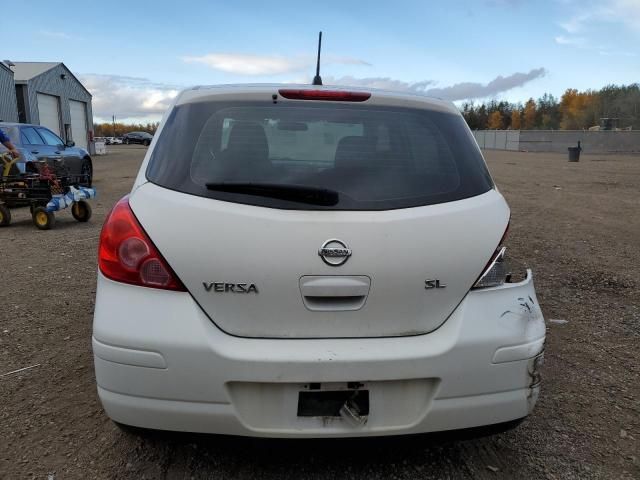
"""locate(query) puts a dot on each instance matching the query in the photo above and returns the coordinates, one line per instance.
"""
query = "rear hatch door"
(215, 247)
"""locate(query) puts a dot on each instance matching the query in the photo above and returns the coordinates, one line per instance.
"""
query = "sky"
(134, 57)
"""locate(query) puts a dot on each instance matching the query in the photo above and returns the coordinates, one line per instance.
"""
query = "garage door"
(49, 112)
(79, 122)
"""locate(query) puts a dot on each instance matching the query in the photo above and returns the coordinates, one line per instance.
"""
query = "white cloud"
(127, 97)
(53, 34)
(576, 23)
(625, 12)
(244, 64)
(585, 27)
(617, 53)
(584, 44)
(328, 59)
(384, 83)
(249, 64)
(573, 41)
(458, 91)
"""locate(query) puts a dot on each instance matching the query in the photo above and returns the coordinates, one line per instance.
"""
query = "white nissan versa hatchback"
(306, 261)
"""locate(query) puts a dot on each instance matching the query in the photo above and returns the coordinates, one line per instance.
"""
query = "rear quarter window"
(376, 158)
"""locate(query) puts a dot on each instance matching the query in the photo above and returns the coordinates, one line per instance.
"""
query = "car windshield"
(374, 158)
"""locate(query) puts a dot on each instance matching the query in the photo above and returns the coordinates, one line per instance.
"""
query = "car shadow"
(301, 458)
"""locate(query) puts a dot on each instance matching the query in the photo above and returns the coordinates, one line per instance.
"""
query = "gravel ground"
(576, 224)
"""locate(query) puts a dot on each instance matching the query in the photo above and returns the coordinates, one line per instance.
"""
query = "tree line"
(108, 129)
(575, 110)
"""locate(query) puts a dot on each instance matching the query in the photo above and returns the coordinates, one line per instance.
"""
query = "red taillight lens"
(328, 95)
(126, 253)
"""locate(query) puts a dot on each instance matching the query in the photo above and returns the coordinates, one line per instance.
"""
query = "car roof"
(261, 90)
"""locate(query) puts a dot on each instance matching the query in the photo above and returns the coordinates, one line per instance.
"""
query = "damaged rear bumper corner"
(520, 319)
(519, 352)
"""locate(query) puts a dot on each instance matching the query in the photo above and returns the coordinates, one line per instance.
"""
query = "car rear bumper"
(161, 363)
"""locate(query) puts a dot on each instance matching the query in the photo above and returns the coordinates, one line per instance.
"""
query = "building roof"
(6, 67)
(25, 71)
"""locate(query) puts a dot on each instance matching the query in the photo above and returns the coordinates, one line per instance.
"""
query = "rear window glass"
(375, 158)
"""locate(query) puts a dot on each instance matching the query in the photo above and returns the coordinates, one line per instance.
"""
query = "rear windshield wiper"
(294, 193)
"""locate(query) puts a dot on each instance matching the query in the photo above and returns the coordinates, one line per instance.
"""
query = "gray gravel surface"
(576, 224)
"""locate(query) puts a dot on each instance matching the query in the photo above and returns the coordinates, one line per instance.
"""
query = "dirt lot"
(577, 225)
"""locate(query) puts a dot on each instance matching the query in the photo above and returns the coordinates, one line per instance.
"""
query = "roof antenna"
(317, 80)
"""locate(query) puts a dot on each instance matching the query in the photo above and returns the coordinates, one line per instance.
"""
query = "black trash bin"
(574, 153)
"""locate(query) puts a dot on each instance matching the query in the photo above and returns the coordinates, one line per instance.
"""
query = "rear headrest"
(248, 143)
(354, 152)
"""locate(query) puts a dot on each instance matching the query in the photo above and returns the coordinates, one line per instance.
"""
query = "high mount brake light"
(327, 95)
(127, 254)
(496, 272)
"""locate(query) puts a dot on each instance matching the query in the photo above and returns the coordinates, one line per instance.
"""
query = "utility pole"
(113, 119)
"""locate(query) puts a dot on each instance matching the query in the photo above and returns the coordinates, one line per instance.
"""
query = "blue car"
(37, 143)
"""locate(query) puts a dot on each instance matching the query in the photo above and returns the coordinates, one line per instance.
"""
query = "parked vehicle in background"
(142, 138)
(35, 143)
(304, 261)
(116, 140)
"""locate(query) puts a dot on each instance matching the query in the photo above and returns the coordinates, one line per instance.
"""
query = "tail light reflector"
(127, 254)
(496, 272)
(327, 95)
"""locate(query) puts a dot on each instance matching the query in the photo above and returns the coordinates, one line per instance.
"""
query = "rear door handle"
(335, 286)
(35, 152)
(334, 293)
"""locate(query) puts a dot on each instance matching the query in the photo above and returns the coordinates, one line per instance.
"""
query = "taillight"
(327, 95)
(127, 254)
(496, 272)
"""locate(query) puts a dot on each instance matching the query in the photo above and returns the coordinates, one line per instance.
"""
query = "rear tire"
(146, 143)
(5, 216)
(42, 219)
(81, 211)
(126, 141)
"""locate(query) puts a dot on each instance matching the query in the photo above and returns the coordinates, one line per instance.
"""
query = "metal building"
(8, 105)
(48, 94)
